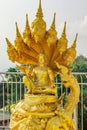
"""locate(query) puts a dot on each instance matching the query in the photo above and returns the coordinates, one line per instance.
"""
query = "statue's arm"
(51, 77)
(32, 73)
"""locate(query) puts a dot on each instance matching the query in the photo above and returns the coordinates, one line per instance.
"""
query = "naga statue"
(43, 55)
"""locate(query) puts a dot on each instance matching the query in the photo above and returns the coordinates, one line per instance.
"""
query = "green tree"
(80, 59)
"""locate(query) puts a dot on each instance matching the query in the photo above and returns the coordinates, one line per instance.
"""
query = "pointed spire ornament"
(8, 43)
(17, 31)
(53, 23)
(39, 13)
(74, 42)
(27, 30)
(63, 42)
(27, 23)
(11, 51)
(18, 42)
(52, 33)
(52, 27)
(64, 31)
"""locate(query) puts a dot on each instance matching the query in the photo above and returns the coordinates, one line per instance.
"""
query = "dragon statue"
(42, 55)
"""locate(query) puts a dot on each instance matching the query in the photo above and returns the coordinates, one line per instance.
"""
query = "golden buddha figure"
(41, 109)
(43, 74)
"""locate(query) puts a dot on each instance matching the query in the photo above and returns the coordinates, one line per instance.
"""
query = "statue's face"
(41, 59)
(51, 39)
(38, 30)
(62, 49)
(38, 33)
(68, 59)
(62, 45)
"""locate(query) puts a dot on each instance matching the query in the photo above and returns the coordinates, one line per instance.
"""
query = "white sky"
(74, 12)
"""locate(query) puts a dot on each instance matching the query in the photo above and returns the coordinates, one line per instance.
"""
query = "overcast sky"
(74, 12)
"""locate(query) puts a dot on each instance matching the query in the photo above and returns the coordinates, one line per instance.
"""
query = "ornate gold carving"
(44, 55)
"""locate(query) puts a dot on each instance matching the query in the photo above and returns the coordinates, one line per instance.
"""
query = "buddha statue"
(43, 55)
(42, 73)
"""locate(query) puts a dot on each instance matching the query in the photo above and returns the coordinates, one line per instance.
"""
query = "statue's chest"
(42, 72)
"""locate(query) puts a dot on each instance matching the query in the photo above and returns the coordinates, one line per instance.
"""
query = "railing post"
(76, 117)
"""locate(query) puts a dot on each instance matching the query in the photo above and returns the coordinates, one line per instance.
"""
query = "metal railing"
(12, 90)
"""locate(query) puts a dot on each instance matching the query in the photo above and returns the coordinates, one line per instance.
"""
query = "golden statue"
(44, 56)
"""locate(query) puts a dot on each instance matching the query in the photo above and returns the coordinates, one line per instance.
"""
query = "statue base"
(39, 112)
